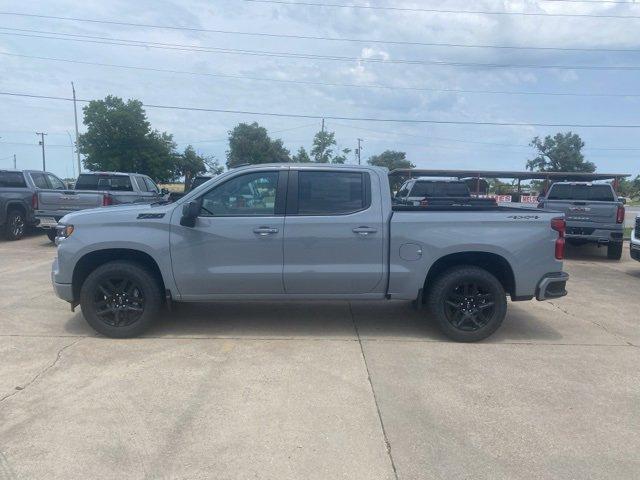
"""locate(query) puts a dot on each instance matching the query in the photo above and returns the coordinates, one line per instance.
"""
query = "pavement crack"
(387, 443)
(41, 372)
(566, 312)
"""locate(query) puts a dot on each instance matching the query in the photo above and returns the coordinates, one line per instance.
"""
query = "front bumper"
(62, 290)
(634, 247)
(552, 285)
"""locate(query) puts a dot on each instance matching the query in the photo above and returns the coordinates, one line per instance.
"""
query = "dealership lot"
(316, 390)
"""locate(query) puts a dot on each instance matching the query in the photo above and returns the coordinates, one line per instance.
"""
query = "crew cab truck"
(593, 212)
(283, 232)
(18, 199)
(634, 244)
(94, 189)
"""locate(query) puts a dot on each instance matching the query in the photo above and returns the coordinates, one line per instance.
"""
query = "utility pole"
(73, 168)
(359, 150)
(323, 125)
(41, 142)
(14, 162)
(75, 114)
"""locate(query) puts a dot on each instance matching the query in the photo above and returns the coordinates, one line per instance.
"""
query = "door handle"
(265, 231)
(364, 231)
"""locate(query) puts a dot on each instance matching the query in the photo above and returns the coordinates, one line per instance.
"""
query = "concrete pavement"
(316, 390)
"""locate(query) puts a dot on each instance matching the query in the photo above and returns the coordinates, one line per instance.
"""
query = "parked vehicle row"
(307, 232)
(94, 189)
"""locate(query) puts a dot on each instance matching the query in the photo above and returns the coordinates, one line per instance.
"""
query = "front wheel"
(468, 302)
(120, 299)
(614, 251)
(51, 234)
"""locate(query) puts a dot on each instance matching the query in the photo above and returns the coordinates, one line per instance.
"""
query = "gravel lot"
(321, 391)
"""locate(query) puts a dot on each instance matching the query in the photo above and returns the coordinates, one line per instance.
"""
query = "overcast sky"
(416, 93)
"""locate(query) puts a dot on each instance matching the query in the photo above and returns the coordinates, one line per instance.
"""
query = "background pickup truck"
(635, 240)
(18, 199)
(593, 212)
(306, 232)
(95, 189)
(424, 192)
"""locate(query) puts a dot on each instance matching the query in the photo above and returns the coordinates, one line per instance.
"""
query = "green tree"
(189, 164)
(250, 143)
(119, 138)
(630, 188)
(391, 159)
(560, 153)
(302, 156)
(322, 150)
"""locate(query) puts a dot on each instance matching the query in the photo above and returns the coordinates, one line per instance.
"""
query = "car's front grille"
(580, 231)
(638, 228)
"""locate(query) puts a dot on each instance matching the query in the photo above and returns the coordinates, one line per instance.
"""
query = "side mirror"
(622, 200)
(540, 198)
(164, 191)
(190, 212)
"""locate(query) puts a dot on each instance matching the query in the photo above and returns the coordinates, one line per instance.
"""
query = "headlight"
(64, 231)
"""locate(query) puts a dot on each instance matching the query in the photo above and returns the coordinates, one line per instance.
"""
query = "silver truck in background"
(19, 199)
(91, 190)
(635, 240)
(593, 212)
(307, 231)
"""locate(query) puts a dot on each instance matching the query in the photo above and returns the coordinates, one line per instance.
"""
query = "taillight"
(107, 200)
(620, 214)
(559, 225)
(34, 201)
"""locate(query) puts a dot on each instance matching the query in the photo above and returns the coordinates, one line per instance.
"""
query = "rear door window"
(12, 180)
(55, 182)
(116, 183)
(331, 193)
(595, 193)
(151, 186)
(39, 180)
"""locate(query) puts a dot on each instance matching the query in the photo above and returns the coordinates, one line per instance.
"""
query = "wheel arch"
(16, 205)
(92, 260)
(494, 263)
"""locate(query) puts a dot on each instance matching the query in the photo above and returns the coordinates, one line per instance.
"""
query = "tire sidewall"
(447, 281)
(143, 279)
(9, 228)
(614, 251)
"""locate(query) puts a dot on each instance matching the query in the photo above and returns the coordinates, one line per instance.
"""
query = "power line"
(437, 10)
(326, 84)
(309, 56)
(309, 37)
(354, 119)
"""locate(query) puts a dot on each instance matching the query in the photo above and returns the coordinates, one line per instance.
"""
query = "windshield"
(119, 183)
(596, 193)
(440, 189)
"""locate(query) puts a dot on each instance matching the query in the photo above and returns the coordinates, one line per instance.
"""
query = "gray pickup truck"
(593, 212)
(94, 189)
(19, 199)
(306, 231)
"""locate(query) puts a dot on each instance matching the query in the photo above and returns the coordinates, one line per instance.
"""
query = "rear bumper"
(594, 233)
(552, 285)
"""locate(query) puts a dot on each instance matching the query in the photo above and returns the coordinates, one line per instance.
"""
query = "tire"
(462, 311)
(51, 234)
(120, 299)
(614, 251)
(15, 226)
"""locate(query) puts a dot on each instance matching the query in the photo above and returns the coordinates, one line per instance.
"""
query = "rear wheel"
(468, 302)
(120, 299)
(15, 226)
(614, 251)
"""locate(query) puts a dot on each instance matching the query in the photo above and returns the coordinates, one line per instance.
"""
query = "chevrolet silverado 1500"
(306, 232)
